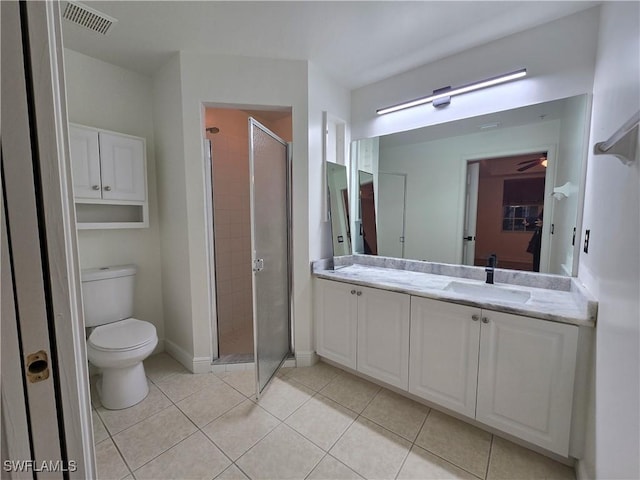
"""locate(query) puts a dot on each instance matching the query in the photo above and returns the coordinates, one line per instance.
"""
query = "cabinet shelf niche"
(91, 215)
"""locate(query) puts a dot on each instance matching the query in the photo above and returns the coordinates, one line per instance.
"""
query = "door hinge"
(258, 265)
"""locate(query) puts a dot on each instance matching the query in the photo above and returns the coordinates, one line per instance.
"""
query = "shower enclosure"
(248, 202)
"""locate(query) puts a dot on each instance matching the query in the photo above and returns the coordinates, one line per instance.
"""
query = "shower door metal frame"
(289, 175)
(211, 249)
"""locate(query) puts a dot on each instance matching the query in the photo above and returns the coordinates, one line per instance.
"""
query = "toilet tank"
(107, 294)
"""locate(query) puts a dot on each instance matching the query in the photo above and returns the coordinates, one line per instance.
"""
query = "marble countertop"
(566, 306)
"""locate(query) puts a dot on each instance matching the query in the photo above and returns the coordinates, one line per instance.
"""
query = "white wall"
(569, 168)
(181, 88)
(611, 269)
(324, 95)
(559, 57)
(106, 96)
(436, 183)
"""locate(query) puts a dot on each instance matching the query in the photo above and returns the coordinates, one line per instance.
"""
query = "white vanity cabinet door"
(336, 316)
(123, 167)
(383, 335)
(85, 162)
(443, 366)
(525, 378)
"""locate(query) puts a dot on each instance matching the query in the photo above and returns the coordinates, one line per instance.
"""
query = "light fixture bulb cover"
(489, 82)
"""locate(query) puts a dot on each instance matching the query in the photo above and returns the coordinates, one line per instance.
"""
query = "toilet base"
(120, 388)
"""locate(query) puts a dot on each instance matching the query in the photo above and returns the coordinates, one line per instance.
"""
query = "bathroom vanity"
(509, 356)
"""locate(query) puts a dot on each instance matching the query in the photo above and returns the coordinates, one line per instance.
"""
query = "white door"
(391, 214)
(85, 162)
(471, 214)
(42, 281)
(444, 353)
(123, 167)
(525, 378)
(14, 414)
(336, 317)
(383, 335)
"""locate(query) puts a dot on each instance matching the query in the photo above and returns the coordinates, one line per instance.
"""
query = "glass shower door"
(270, 242)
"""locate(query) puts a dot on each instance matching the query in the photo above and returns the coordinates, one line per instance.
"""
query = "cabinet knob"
(359, 293)
(475, 317)
(96, 187)
(353, 292)
(485, 320)
(107, 188)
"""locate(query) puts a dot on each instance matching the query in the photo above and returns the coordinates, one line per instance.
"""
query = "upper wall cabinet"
(109, 178)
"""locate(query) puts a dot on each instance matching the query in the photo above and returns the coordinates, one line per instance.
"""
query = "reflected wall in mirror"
(367, 211)
(339, 208)
(458, 192)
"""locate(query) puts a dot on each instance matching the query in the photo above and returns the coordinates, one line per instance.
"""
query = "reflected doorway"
(505, 198)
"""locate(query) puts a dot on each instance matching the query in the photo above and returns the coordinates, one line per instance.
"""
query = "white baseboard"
(201, 365)
(193, 364)
(582, 472)
(306, 359)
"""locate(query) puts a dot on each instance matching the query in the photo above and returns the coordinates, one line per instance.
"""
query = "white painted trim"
(53, 139)
(582, 472)
(23, 147)
(179, 354)
(201, 365)
(306, 359)
(210, 242)
(15, 432)
(193, 364)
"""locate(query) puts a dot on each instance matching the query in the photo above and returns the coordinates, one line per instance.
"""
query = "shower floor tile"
(360, 431)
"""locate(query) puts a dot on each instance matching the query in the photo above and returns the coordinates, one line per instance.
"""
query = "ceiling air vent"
(88, 17)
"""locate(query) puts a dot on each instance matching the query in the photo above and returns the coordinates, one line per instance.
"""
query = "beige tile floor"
(312, 423)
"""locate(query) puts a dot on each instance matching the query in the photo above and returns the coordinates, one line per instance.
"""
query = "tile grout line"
(439, 456)
(316, 393)
(486, 474)
(198, 429)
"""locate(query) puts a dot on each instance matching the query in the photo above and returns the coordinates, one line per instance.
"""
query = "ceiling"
(357, 43)
(509, 166)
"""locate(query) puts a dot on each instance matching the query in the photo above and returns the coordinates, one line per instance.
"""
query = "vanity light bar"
(489, 82)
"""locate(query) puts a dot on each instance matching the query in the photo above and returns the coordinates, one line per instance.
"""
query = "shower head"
(212, 130)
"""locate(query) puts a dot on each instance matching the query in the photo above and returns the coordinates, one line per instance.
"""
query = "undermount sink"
(489, 292)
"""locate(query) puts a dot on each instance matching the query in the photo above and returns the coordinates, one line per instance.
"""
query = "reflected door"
(471, 215)
(270, 242)
(391, 206)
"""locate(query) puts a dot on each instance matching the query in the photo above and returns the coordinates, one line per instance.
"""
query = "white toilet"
(117, 343)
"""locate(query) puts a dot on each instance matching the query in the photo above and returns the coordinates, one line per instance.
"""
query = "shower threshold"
(234, 358)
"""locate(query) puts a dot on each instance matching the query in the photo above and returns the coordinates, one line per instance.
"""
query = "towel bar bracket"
(623, 144)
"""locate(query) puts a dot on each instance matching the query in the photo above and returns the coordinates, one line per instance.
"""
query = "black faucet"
(492, 261)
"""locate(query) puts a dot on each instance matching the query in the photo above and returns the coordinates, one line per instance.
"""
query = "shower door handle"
(258, 265)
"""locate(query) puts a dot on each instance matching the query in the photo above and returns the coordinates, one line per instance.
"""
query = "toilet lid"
(122, 335)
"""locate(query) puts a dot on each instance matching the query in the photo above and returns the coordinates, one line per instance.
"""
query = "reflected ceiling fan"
(527, 164)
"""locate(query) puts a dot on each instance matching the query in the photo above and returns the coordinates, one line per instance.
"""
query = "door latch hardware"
(258, 265)
(37, 366)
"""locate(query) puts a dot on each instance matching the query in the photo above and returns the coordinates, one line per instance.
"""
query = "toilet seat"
(122, 336)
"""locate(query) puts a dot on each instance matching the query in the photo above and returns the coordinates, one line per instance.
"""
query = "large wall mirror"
(509, 183)
(339, 208)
